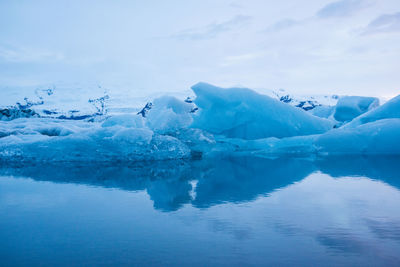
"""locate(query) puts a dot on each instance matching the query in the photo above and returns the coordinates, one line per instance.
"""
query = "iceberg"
(60, 140)
(373, 132)
(349, 107)
(243, 113)
(216, 123)
(390, 109)
(375, 138)
(169, 114)
(378, 137)
(323, 111)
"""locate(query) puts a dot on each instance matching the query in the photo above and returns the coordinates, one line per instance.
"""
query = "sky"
(306, 47)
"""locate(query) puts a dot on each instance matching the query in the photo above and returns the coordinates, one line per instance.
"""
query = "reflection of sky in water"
(235, 211)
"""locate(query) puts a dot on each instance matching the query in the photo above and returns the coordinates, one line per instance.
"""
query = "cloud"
(282, 25)
(212, 30)
(336, 9)
(341, 8)
(383, 23)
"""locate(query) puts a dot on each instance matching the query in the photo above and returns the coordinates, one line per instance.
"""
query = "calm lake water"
(234, 212)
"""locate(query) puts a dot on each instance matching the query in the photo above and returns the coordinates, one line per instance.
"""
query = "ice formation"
(390, 109)
(55, 140)
(378, 137)
(243, 113)
(169, 114)
(323, 111)
(375, 132)
(234, 121)
(349, 107)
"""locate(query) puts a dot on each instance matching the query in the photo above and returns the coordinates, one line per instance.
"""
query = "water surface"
(240, 211)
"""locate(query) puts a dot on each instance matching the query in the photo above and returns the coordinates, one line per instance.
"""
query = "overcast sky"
(313, 46)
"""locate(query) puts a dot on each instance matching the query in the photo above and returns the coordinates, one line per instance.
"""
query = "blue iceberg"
(243, 113)
(218, 122)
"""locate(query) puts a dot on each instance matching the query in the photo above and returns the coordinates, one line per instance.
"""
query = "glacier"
(216, 123)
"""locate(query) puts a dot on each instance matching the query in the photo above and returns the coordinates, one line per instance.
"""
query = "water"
(237, 211)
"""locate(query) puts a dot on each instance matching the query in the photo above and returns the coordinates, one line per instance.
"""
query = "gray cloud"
(383, 23)
(341, 8)
(212, 30)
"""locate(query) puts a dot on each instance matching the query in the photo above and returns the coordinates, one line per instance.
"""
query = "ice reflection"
(281, 211)
(171, 184)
